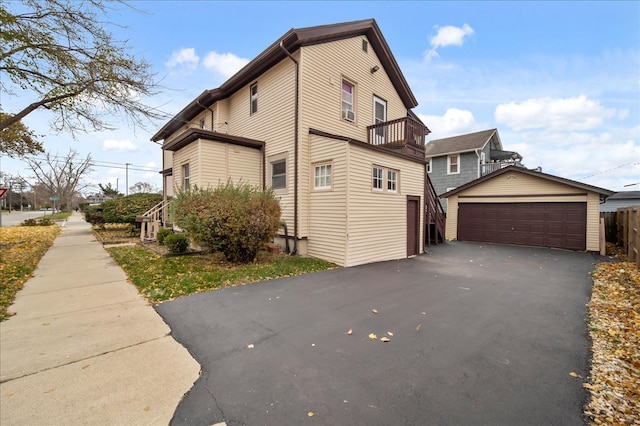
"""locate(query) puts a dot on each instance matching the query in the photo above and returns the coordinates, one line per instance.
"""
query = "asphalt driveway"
(478, 334)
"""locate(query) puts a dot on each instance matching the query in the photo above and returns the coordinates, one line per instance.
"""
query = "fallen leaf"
(49, 390)
(350, 332)
(147, 408)
(384, 339)
(250, 346)
(418, 327)
(45, 323)
(310, 414)
(390, 333)
(573, 374)
(375, 311)
(85, 366)
(372, 336)
(10, 393)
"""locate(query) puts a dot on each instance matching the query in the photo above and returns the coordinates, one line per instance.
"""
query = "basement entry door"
(558, 225)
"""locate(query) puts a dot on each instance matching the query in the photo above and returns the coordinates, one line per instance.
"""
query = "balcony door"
(379, 117)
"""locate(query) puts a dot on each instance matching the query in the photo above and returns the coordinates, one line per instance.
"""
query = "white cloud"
(124, 145)
(225, 64)
(454, 122)
(185, 57)
(577, 113)
(448, 36)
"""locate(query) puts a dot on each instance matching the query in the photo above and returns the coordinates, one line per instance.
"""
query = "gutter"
(295, 166)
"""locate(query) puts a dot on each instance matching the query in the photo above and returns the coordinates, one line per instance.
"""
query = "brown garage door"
(560, 225)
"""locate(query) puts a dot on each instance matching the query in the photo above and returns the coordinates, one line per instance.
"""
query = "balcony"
(404, 135)
(487, 168)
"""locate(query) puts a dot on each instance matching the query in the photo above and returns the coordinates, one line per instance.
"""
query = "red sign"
(3, 192)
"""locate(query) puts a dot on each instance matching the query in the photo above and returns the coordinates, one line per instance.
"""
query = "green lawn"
(165, 278)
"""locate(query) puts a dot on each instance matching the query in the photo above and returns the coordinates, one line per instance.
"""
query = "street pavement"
(84, 347)
(17, 217)
(478, 335)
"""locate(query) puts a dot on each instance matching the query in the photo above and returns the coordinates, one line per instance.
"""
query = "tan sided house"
(324, 117)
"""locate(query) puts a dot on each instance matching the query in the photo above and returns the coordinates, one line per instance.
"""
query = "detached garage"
(515, 205)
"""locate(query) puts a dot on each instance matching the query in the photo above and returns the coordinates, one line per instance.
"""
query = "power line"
(611, 169)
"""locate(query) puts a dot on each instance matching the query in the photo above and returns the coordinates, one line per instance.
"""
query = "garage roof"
(604, 193)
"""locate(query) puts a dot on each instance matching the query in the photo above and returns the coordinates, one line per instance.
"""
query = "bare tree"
(143, 187)
(61, 53)
(61, 175)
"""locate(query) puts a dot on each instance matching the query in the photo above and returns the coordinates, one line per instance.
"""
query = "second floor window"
(453, 162)
(348, 90)
(186, 177)
(253, 94)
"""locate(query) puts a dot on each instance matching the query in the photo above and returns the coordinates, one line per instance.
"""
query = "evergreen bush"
(176, 243)
(162, 234)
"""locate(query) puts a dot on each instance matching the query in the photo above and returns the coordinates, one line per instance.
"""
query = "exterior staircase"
(151, 221)
(435, 217)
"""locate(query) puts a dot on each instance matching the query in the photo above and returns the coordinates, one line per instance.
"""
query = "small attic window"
(365, 46)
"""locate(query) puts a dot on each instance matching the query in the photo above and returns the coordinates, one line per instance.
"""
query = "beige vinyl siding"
(323, 68)
(273, 123)
(510, 184)
(451, 225)
(223, 161)
(377, 227)
(328, 208)
(190, 154)
(593, 222)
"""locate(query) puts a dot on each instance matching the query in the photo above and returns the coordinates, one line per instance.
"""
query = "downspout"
(295, 161)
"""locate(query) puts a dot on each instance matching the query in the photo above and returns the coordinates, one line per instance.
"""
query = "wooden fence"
(628, 232)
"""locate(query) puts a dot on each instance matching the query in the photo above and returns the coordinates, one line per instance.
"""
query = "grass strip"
(165, 278)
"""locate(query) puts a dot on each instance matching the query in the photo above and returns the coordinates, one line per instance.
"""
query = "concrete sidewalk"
(84, 347)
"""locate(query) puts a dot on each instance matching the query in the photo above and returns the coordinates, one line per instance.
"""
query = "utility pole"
(126, 189)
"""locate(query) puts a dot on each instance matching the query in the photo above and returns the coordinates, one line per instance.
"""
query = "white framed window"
(253, 98)
(278, 172)
(201, 123)
(384, 179)
(186, 176)
(392, 181)
(377, 178)
(348, 93)
(322, 176)
(453, 164)
(429, 165)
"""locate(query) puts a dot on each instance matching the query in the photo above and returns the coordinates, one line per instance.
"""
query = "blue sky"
(559, 80)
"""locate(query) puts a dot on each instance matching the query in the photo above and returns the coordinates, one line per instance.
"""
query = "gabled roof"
(292, 41)
(523, 170)
(625, 195)
(462, 143)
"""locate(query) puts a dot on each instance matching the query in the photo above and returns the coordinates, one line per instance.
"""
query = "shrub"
(38, 222)
(176, 243)
(236, 219)
(162, 234)
(121, 210)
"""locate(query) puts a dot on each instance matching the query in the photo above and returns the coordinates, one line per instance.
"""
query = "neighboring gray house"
(455, 161)
(620, 199)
